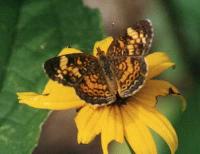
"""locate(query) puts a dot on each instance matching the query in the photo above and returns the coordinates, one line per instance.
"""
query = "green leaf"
(30, 33)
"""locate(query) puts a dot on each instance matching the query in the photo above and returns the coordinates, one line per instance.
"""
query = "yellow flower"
(131, 121)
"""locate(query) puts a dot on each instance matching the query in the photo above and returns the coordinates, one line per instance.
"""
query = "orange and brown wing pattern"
(69, 69)
(136, 41)
(94, 88)
(130, 73)
(82, 72)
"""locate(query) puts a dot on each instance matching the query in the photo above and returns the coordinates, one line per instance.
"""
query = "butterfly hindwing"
(94, 88)
(82, 72)
(136, 41)
(130, 73)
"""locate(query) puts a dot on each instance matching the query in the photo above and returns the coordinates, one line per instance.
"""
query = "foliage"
(31, 32)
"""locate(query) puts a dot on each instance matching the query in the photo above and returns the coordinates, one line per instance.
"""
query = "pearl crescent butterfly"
(112, 75)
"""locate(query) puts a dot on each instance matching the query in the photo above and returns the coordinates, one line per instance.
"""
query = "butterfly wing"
(82, 72)
(68, 69)
(136, 41)
(94, 89)
(130, 73)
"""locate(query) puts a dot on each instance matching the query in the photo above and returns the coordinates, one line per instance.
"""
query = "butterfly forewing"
(82, 72)
(136, 41)
(68, 69)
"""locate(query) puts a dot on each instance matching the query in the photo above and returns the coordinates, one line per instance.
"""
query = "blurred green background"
(32, 31)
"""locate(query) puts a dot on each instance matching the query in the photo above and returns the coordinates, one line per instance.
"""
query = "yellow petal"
(136, 133)
(69, 51)
(157, 63)
(157, 122)
(107, 120)
(89, 122)
(112, 128)
(54, 97)
(103, 45)
(154, 88)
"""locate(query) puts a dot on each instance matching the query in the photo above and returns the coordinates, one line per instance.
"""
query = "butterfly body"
(106, 66)
(102, 79)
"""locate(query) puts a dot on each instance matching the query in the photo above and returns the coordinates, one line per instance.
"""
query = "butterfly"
(115, 74)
